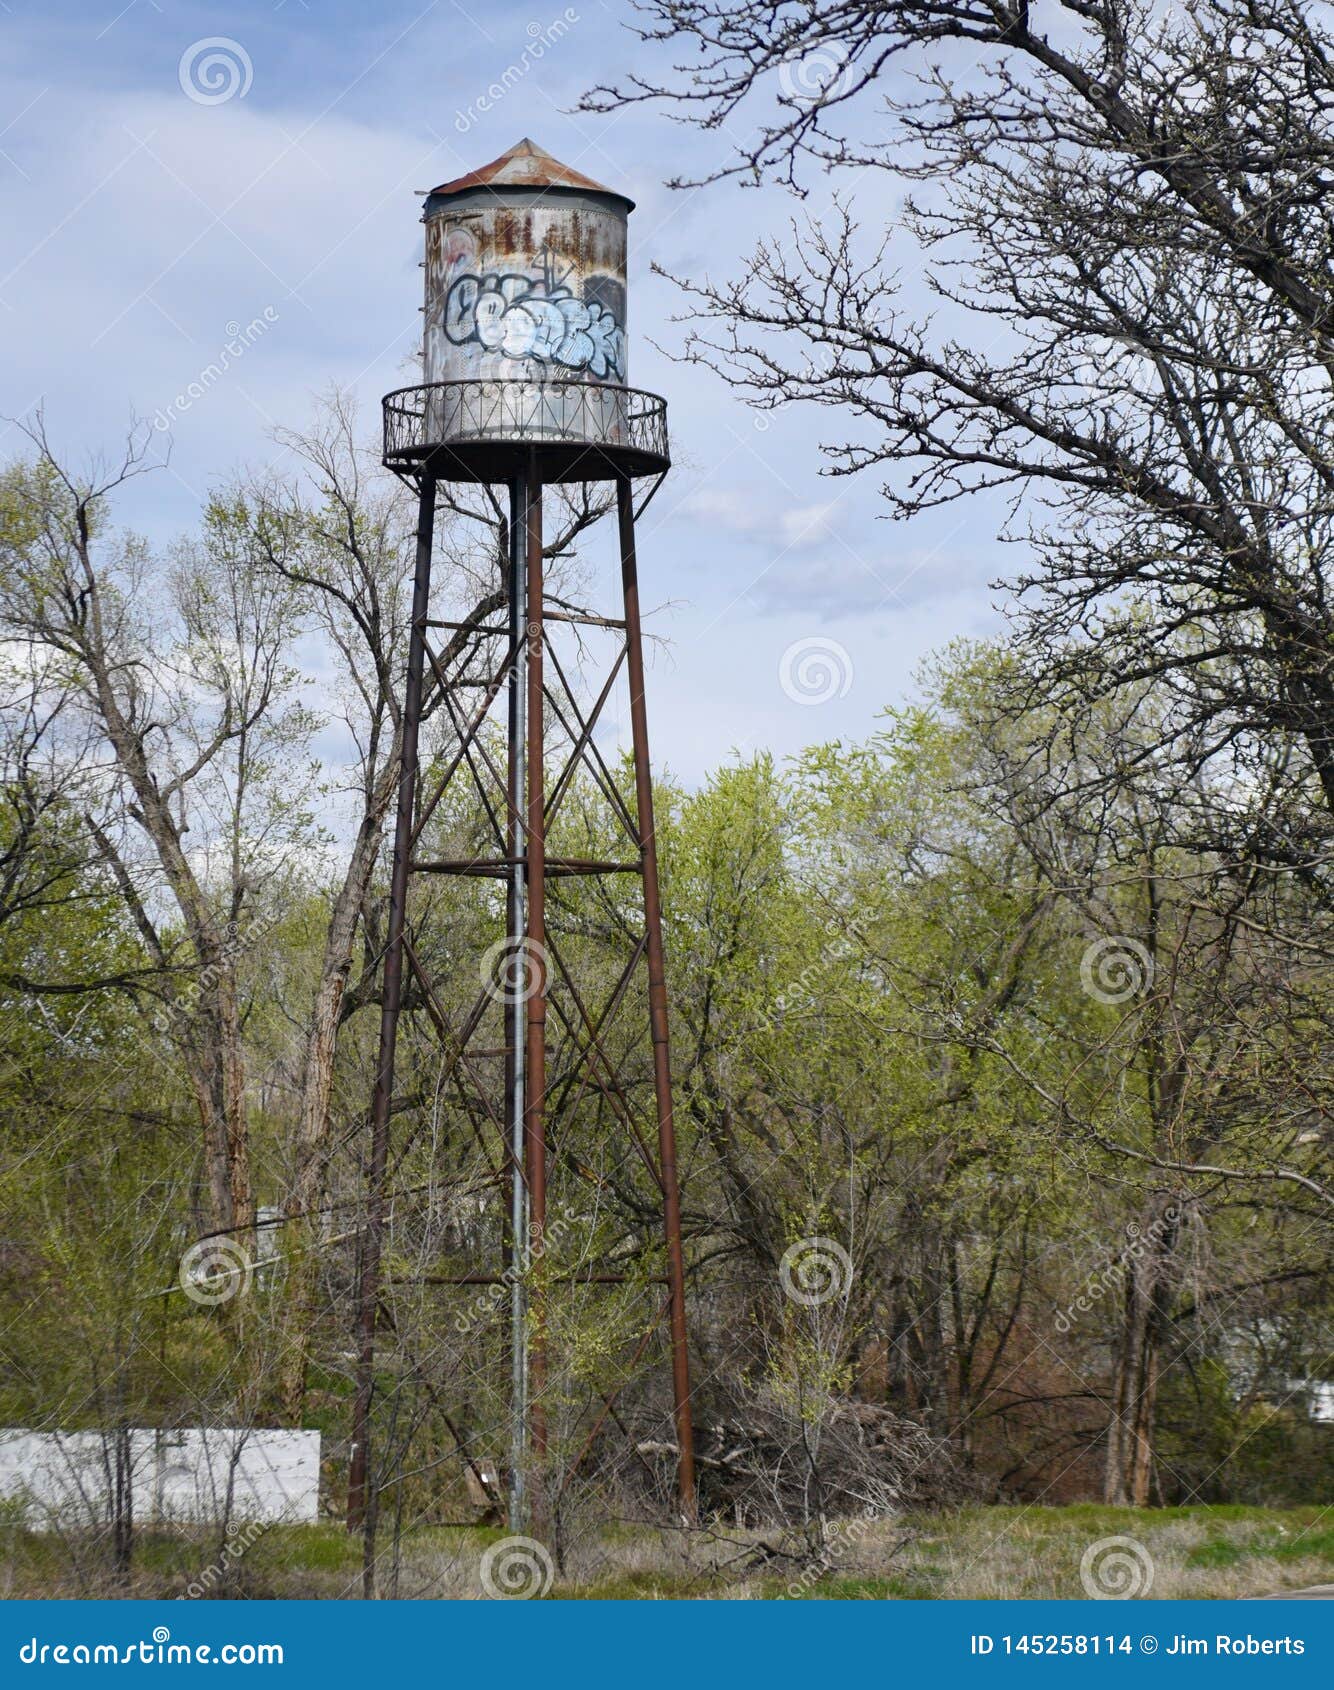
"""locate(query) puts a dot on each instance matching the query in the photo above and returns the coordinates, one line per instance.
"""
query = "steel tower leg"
(531, 966)
(535, 979)
(657, 995)
(361, 1491)
(515, 1008)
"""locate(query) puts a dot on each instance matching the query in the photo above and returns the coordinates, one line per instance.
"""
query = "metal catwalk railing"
(620, 420)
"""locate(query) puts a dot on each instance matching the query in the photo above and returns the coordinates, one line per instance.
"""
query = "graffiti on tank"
(520, 315)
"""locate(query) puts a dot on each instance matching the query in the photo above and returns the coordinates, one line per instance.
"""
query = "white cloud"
(140, 225)
(750, 512)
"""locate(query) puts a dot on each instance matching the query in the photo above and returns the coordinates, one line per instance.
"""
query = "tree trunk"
(215, 1053)
(1131, 1430)
(305, 1200)
(306, 1196)
(215, 1062)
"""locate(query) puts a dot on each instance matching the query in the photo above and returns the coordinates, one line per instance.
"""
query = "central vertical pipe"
(535, 979)
(516, 972)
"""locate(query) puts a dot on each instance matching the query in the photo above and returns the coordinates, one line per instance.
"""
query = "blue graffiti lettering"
(520, 317)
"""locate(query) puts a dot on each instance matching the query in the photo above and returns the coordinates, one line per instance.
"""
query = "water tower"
(525, 364)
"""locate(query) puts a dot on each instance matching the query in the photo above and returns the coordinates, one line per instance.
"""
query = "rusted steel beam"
(456, 1057)
(470, 742)
(506, 1279)
(535, 1055)
(459, 1043)
(657, 996)
(515, 1243)
(581, 1060)
(600, 1065)
(478, 717)
(593, 752)
(584, 741)
(499, 868)
(609, 1010)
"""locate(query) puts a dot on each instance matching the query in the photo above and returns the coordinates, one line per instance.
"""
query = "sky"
(173, 171)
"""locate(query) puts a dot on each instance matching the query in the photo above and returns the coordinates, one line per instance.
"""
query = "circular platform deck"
(485, 430)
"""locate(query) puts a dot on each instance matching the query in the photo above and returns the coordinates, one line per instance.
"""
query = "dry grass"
(986, 1553)
(970, 1553)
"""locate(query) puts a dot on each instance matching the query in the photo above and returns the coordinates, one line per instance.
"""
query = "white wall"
(68, 1478)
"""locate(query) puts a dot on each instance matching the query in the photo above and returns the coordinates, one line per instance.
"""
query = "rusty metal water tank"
(526, 295)
(525, 274)
(524, 331)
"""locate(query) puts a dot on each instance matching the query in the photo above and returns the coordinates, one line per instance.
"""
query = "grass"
(1198, 1552)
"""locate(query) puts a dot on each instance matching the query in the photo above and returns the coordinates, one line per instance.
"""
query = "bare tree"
(1175, 1086)
(179, 671)
(1124, 214)
(46, 788)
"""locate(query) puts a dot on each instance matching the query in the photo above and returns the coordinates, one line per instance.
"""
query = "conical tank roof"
(526, 165)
